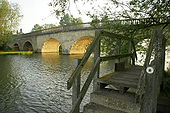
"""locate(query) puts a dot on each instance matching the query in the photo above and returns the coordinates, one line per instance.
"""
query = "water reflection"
(37, 83)
(50, 58)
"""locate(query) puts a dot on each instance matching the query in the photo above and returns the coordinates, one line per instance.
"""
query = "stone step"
(114, 100)
(96, 108)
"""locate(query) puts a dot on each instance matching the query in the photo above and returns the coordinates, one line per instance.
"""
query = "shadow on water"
(37, 83)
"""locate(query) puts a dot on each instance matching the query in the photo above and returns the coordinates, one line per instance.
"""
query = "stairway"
(119, 92)
(116, 93)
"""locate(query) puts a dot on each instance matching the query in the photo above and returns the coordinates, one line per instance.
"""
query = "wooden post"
(96, 86)
(76, 86)
(129, 51)
(163, 61)
(117, 49)
(152, 84)
(160, 51)
(118, 46)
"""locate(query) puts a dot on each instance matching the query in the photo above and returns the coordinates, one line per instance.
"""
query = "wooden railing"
(143, 21)
(75, 78)
(149, 82)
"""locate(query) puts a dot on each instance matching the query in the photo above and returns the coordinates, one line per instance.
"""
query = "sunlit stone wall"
(56, 41)
(80, 46)
(51, 45)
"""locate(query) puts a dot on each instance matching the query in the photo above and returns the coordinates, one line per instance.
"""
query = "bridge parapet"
(74, 27)
(98, 25)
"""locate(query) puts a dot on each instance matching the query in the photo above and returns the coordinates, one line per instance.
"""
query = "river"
(37, 83)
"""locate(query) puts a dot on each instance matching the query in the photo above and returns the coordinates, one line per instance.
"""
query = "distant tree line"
(64, 21)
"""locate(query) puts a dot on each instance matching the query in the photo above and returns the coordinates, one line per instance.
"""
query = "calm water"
(37, 83)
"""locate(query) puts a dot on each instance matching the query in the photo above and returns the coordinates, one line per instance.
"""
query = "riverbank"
(16, 52)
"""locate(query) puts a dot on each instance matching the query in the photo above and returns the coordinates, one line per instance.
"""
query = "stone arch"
(15, 47)
(27, 46)
(80, 46)
(51, 45)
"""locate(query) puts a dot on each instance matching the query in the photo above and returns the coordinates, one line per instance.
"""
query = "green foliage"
(9, 20)
(69, 19)
(47, 26)
(37, 27)
(132, 9)
(108, 45)
(149, 8)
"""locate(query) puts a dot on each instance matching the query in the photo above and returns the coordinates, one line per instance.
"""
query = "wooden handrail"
(134, 48)
(86, 85)
(82, 63)
(95, 67)
(150, 82)
(141, 83)
(157, 65)
(106, 58)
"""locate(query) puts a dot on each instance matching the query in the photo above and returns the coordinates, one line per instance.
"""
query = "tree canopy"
(9, 21)
(129, 8)
(69, 19)
(122, 10)
(38, 27)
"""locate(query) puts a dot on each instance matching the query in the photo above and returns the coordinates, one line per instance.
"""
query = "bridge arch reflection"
(27, 46)
(15, 47)
(51, 46)
(80, 46)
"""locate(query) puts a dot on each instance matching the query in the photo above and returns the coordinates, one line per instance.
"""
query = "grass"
(16, 52)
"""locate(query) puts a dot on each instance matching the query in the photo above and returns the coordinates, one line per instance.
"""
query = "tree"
(38, 27)
(129, 9)
(67, 20)
(132, 9)
(47, 26)
(9, 20)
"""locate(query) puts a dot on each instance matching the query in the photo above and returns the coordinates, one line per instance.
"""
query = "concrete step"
(96, 108)
(114, 100)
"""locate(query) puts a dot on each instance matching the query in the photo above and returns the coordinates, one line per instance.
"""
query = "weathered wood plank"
(86, 85)
(127, 78)
(152, 86)
(76, 86)
(149, 51)
(118, 47)
(96, 55)
(120, 83)
(134, 48)
(129, 51)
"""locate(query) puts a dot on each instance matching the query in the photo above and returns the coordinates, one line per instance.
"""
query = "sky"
(37, 12)
(34, 12)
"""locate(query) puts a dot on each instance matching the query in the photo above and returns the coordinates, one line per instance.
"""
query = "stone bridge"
(72, 39)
